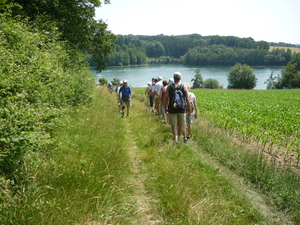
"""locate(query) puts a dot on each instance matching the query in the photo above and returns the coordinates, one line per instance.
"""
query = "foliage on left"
(41, 78)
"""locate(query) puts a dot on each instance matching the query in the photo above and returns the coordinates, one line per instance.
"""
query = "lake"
(138, 76)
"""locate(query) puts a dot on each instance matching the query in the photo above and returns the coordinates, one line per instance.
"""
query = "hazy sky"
(267, 20)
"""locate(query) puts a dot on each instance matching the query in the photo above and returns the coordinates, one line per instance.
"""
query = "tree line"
(195, 50)
(241, 76)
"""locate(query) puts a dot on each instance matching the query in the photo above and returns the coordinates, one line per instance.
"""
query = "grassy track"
(109, 170)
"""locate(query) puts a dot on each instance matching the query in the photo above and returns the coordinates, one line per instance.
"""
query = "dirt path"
(145, 213)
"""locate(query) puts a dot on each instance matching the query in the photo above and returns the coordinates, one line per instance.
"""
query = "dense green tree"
(155, 50)
(290, 77)
(211, 84)
(197, 80)
(241, 77)
(74, 20)
(40, 79)
(199, 50)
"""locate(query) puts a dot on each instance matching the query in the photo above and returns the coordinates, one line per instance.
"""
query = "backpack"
(178, 100)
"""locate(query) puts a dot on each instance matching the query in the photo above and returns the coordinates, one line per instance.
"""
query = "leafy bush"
(103, 81)
(241, 76)
(115, 82)
(290, 77)
(212, 84)
(40, 78)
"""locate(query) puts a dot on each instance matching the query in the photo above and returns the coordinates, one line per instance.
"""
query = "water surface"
(138, 76)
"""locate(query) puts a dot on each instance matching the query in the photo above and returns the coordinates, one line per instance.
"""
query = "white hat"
(171, 80)
(159, 78)
(124, 81)
(121, 82)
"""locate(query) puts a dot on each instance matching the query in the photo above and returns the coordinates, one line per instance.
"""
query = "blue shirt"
(126, 91)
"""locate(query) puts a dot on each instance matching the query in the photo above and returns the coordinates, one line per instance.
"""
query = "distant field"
(294, 49)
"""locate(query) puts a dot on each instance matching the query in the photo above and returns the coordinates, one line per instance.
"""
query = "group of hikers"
(169, 99)
(172, 102)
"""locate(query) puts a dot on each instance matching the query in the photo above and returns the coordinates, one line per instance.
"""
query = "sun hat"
(171, 80)
(159, 78)
(177, 75)
(121, 82)
(124, 81)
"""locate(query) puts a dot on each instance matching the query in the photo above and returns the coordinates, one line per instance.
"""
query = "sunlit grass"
(84, 178)
(88, 178)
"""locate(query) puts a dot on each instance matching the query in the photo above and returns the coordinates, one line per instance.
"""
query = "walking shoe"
(188, 137)
(176, 140)
(185, 140)
(122, 114)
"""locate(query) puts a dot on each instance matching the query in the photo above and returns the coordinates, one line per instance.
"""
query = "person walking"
(110, 87)
(118, 96)
(176, 107)
(156, 94)
(154, 81)
(125, 97)
(148, 95)
(162, 99)
(194, 112)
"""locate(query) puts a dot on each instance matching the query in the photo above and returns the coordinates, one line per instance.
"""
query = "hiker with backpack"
(177, 104)
(194, 111)
(125, 97)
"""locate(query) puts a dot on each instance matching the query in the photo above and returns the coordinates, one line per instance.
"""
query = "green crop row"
(270, 117)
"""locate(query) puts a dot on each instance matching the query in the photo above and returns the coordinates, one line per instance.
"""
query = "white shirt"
(158, 87)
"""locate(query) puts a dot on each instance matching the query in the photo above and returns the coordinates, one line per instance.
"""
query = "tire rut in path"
(143, 201)
(256, 199)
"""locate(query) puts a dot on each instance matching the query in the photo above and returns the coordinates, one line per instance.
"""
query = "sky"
(263, 20)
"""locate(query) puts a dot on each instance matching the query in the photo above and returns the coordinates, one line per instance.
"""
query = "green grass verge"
(84, 178)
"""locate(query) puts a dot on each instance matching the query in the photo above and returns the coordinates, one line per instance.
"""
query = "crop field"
(269, 117)
(293, 49)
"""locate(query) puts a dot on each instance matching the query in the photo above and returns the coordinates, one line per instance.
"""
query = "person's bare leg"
(181, 131)
(174, 132)
(189, 129)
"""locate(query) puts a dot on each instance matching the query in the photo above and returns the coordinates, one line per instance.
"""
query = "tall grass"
(83, 179)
